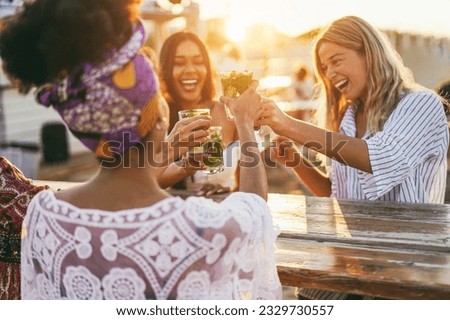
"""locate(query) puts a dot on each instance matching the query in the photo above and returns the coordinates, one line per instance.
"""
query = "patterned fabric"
(15, 194)
(174, 249)
(112, 105)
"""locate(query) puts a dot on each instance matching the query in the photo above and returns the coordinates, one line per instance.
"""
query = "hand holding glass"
(189, 113)
(233, 84)
(210, 153)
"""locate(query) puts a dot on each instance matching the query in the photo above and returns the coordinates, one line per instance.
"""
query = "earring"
(160, 125)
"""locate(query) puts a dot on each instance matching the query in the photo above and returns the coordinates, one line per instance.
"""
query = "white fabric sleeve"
(261, 251)
(415, 131)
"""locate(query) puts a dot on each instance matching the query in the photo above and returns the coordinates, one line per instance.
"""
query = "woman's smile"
(344, 68)
(189, 73)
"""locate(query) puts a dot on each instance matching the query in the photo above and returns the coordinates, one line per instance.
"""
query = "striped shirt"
(408, 158)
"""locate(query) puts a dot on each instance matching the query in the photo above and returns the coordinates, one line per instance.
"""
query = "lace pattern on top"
(175, 249)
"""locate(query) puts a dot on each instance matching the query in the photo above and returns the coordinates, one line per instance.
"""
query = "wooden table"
(384, 249)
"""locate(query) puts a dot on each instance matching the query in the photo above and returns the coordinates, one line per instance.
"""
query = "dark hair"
(48, 38)
(166, 64)
(443, 90)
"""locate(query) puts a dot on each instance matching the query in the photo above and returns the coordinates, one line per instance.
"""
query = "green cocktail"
(235, 83)
(210, 153)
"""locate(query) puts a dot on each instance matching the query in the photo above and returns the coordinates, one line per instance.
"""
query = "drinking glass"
(233, 84)
(210, 153)
(189, 113)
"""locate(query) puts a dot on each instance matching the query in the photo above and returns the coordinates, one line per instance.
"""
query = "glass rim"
(194, 110)
(228, 73)
(190, 113)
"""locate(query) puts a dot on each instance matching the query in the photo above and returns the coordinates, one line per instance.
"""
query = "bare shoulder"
(71, 194)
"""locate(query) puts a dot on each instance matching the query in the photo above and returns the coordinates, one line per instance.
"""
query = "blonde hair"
(387, 78)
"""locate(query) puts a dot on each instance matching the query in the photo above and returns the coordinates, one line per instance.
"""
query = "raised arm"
(247, 108)
(347, 150)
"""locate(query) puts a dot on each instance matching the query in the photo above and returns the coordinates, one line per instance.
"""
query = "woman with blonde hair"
(386, 136)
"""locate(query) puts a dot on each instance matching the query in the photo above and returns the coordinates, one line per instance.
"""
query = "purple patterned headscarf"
(110, 106)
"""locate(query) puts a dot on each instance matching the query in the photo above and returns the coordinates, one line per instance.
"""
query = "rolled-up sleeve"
(415, 131)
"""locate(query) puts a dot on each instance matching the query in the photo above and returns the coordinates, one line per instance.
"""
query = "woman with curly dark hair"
(120, 235)
(47, 44)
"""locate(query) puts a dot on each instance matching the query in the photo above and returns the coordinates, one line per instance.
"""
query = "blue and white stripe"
(408, 157)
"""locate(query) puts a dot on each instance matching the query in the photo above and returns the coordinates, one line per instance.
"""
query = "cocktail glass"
(210, 153)
(189, 113)
(233, 84)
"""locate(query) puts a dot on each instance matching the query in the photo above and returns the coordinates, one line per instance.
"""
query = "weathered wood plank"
(362, 222)
(378, 271)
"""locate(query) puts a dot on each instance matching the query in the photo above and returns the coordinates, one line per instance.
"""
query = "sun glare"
(236, 30)
(294, 17)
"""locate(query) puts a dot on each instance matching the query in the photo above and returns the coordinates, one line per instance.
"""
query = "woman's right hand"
(272, 115)
(247, 107)
(186, 134)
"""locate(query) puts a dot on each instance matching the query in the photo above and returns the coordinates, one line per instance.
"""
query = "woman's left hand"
(186, 134)
(285, 152)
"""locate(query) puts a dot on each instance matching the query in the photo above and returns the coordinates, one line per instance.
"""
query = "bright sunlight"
(294, 17)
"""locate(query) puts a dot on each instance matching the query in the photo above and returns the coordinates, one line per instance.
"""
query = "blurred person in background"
(443, 90)
(303, 83)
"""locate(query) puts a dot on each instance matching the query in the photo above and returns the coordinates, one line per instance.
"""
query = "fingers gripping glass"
(233, 84)
(210, 153)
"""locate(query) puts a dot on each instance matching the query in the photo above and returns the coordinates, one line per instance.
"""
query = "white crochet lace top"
(175, 249)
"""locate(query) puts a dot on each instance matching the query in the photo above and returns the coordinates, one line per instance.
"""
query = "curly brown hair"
(48, 38)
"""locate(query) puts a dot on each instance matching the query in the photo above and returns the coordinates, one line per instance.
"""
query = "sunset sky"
(297, 16)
